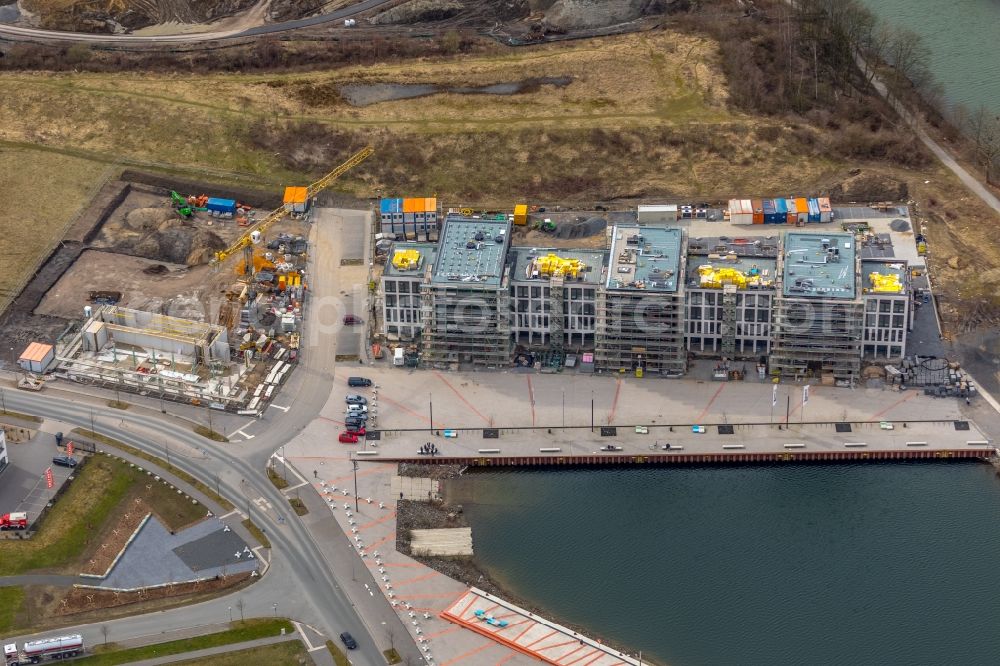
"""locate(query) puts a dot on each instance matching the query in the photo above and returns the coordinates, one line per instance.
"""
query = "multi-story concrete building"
(554, 296)
(466, 300)
(640, 310)
(885, 284)
(818, 310)
(407, 267)
(729, 296)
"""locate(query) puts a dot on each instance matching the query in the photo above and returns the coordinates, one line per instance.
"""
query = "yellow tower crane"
(255, 233)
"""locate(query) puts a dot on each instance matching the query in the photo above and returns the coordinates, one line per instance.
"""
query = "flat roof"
(645, 258)
(877, 246)
(819, 265)
(428, 251)
(895, 269)
(36, 351)
(469, 253)
(522, 259)
(744, 246)
(760, 272)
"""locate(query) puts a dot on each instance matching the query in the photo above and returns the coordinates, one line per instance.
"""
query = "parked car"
(356, 430)
(348, 438)
(355, 421)
(356, 400)
(348, 641)
(65, 461)
(360, 409)
(351, 320)
(359, 381)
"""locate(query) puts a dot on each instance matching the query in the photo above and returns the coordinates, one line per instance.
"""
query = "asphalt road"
(19, 33)
(302, 578)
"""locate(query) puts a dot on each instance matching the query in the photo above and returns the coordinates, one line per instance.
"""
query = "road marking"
(290, 468)
(262, 502)
(531, 397)
(297, 485)
(234, 511)
(284, 409)
(461, 397)
(710, 402)
(302, 634)
(240, 430)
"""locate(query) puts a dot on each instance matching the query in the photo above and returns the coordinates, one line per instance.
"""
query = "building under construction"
(730, 291)
(466, 301)
(407, 267)
(640, 310)
(555, 296)
(818, 310)
(175, 358)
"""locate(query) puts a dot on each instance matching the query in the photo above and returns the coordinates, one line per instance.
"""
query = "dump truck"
(14, 521)
(32, 652)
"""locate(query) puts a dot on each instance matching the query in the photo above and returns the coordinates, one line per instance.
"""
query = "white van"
(397, 356)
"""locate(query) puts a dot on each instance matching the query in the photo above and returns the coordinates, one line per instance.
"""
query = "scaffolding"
(556, 314)
(466, 325)
(639, 330)
(728, 324)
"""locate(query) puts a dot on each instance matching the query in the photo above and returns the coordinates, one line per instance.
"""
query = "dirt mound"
(588, 14)
(418, 11)
(867, 186)
(147, 219)
(581, 228)
(174, 241)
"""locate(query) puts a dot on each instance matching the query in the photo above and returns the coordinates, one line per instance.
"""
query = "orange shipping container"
(758, 211)
(430, 205)
(412, 205)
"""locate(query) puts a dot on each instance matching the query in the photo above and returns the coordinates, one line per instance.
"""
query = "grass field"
(42, 190)
(11, 599)
(288, 652)
(241, 631)
(76, 520)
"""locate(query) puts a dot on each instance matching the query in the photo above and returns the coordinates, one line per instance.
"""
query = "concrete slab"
(530, 634)
(416, 488)
(444, 541)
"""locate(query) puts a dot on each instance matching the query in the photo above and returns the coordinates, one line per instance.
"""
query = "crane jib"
(314, 189)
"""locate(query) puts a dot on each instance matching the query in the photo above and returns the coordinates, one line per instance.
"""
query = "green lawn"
(289, 652)
(11, 599)
(241, 631)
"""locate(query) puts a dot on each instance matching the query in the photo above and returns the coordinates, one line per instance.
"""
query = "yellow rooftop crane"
(255, 233)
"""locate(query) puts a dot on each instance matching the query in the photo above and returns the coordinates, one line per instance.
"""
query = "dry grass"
(41, 192)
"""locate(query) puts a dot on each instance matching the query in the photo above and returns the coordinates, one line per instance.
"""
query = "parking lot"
(22, 483)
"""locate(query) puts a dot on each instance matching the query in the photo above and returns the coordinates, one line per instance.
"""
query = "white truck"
(33, 652)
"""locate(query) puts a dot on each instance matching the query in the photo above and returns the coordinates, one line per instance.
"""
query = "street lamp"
(564, 408)
(430, 401)
(274, 607)
(230, 613)
(355, 464)
(591, 411)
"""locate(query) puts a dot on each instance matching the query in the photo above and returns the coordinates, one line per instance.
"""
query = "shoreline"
(441, 512)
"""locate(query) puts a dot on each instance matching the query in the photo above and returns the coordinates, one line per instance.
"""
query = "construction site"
(195, 298)
(829, 296)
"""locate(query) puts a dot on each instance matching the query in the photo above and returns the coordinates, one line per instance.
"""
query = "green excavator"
(181, 205)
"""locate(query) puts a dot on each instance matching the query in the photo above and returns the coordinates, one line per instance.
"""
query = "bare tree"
(910, 56)
(239, 605)
(983, 128)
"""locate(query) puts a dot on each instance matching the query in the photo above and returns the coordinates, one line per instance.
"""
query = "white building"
(404, 273)
(885, 285)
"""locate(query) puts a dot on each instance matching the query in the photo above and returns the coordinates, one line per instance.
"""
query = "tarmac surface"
(156, 556)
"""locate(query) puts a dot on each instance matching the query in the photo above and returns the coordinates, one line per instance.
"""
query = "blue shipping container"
(221, 205)
(771, 215)
(391, 206)
(813, 210)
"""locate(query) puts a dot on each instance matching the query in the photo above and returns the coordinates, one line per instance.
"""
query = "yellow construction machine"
(255, 233)
(552, 264)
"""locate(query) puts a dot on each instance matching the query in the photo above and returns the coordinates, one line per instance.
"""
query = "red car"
(359, 430)
(348, 438)
(351, 320)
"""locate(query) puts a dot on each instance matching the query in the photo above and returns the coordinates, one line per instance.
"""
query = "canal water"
(964, 39)
(772, 565)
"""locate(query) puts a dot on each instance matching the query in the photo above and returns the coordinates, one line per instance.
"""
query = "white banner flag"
(774, 395)
(805, 394)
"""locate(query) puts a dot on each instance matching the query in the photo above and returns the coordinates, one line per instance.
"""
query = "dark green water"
(838, 564)
(964, 39)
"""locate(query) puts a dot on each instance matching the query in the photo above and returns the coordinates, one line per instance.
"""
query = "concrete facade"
(402, 306)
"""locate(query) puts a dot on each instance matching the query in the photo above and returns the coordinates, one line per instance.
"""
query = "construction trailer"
(407, 269)
(640, 310)
(37, 357)
(729, 295)
(657, 214)
(466, 300)
(412, 219)
(819, 310)
(554, 296)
